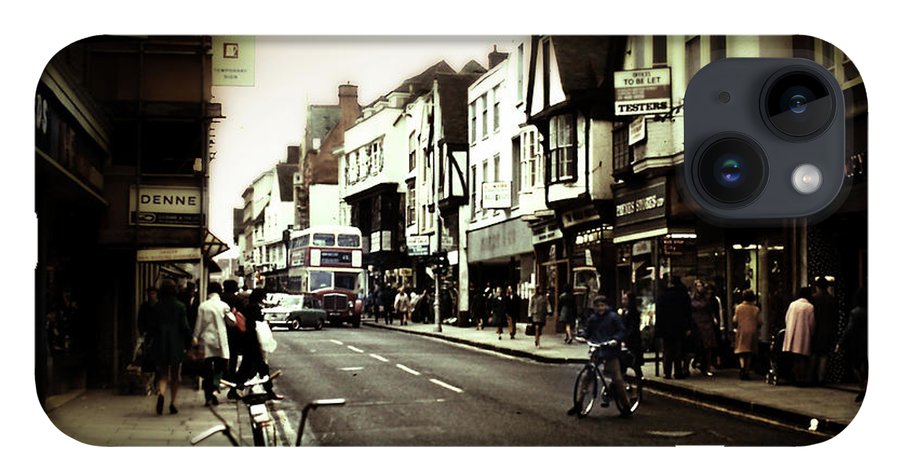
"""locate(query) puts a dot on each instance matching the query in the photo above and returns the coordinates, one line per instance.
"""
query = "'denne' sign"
(643, 91)
(165, 206)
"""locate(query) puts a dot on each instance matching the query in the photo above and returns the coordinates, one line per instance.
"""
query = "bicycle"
(591, 378)
(254, 396)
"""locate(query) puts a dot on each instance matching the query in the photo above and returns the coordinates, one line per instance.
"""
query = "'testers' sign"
(643, 91)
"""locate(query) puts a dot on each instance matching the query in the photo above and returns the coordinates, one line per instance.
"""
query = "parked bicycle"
(593, 381)
(255, 398)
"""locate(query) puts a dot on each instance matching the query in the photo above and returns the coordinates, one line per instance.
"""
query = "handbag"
(529, 329)
(264, 335)
(196, 353)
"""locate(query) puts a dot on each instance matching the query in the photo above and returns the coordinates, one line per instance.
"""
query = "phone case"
(514, 184)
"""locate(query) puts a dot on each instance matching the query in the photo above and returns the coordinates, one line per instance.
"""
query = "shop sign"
(642, 247)
(168, 254)
(165, 206)
(496, 195)
(418, 245)
(545, 234)
(643, 91)
(405, 272)
(647, 203)
(375, 242)
(637, 130)
(446, 241)
(234, 61)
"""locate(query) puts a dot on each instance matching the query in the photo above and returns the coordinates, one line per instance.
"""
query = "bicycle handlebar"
(253, 381)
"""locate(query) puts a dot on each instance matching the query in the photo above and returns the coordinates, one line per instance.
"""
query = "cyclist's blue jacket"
(601, 328)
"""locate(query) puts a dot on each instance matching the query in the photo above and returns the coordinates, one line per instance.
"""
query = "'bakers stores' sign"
(641, 204)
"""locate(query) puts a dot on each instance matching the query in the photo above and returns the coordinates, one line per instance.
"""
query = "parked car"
(341, 305)
(295, 311)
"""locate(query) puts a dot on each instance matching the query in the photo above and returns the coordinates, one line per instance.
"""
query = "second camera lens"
(731, 170)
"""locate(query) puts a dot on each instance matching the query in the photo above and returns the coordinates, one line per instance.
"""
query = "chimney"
(293, 154)
(495, 58)
(347, 98)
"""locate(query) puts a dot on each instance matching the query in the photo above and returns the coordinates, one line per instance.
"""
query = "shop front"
(654, 240)
(502, 255)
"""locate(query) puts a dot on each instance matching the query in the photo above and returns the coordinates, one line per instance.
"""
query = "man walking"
(210, 332)
(824, 335)
(673, 324)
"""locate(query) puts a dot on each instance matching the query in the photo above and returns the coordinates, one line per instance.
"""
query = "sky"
(292, 72)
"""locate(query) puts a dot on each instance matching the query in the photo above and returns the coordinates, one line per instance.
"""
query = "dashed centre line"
(445, 385)
(356, 349)
(378, 357)
(336, 342)
(408, 370)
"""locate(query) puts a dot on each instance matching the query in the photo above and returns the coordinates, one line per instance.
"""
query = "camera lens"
(731, 170)
(798, 104)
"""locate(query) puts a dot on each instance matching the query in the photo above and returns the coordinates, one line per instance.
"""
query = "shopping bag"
(264, 335)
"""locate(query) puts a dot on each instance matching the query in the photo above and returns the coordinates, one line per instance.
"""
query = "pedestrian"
(673, 318)
(538, 308)
(379, 302)
(631, 316)
(855, 340)
(824, 335)
(253, 362)
(513, 301)
(170, 335)
(499, 311)
(188, 297)
(704, 327)
(389, 295)
(477, 307)
(402, 306)
(567, 311)
(799, 324)
(146, 320)
(210, 331)
(236, 304)
(746, 321)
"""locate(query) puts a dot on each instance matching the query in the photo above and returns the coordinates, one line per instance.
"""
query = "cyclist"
(605, 326)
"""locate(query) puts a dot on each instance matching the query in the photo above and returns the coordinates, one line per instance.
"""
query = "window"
(497, 168)
(412, 151)
(692, 52)
(562, 147)
(520, 73)
(484, 178)
(411, 204)
(323, 239)
(473, 190)
(376, 162)
(484, 115)
(660, 51)
(621, 151)
(350, 241)
(496, 95)
(473, 127)
(517, 182)
(717, 48)
(637, 48)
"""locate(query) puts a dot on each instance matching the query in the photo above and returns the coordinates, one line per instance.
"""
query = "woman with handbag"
(254, 361)
(170, 335)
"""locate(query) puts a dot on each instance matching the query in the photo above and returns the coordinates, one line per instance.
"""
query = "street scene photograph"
(437, 242)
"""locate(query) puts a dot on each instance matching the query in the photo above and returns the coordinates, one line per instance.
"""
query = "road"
(407, 390)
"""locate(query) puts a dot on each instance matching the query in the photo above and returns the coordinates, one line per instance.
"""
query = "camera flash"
(806, 178)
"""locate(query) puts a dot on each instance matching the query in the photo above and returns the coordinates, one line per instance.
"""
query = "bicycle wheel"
(634, 389)
(264, 435)
(585, 391)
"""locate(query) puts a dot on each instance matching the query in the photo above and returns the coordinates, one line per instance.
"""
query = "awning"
(212, 245)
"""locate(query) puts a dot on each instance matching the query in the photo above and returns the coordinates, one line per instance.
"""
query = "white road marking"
(347, 369)
(378, 357)
(356, 349)
(407, 369)
(336, 341)
(445, 385)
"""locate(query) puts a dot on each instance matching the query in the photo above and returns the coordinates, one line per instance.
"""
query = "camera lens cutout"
(732, 170)
(798, 103)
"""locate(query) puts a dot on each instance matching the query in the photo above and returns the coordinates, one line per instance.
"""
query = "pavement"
(106, 417)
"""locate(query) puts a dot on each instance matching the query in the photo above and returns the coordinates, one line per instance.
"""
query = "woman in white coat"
(799, 324)
(210, 332)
